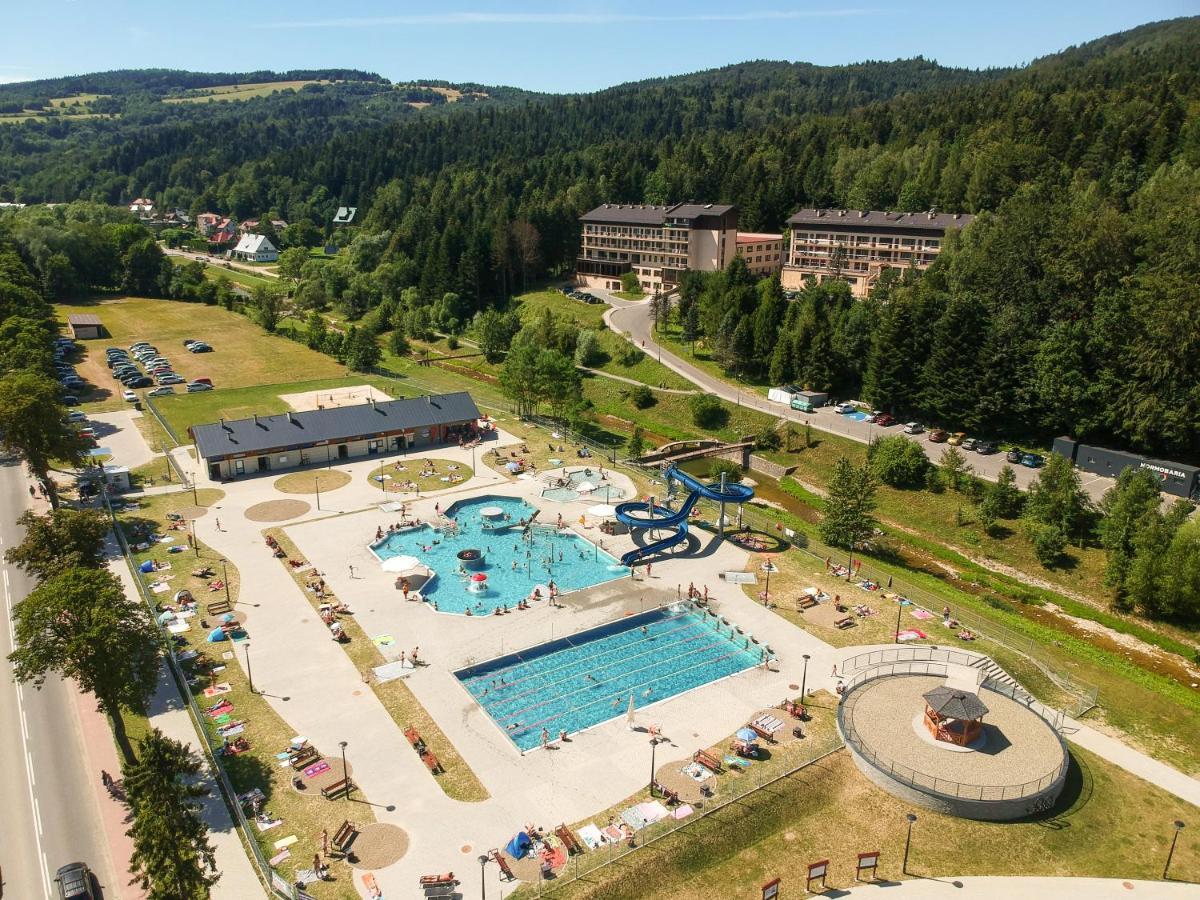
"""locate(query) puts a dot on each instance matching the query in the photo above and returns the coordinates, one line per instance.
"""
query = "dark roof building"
(881, 221)
(240, 446)
(649, 214)
(85, 326)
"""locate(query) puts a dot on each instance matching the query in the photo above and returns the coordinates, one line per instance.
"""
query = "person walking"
(351, 570)
(218, 524)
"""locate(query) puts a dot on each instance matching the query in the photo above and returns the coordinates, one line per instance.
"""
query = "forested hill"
(110, 136)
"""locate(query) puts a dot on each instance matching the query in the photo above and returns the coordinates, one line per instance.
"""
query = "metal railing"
(266, 874)
(933, 784)
(733, 788)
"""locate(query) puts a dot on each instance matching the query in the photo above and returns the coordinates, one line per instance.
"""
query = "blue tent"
(147, 566)
(519, 846)
(216, 635)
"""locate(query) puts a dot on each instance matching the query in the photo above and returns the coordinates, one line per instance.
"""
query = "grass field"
(229, 92)
(214, 271)
(243, 354)
(74, 107)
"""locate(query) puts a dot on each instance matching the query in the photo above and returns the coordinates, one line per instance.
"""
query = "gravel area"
(277, 510)
(378, 846)
(1020, 747)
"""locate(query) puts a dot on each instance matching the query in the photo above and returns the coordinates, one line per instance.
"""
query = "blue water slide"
(639, 515)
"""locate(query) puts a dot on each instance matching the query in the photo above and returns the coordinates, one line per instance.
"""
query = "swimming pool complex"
(579, 681)
(601, 491)
(515, 558)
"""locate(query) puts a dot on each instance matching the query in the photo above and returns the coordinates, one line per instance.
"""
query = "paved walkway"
(1002, 888)
(631, 319)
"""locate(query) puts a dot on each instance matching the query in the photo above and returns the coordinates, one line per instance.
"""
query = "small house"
(142, 207)
(255, 248)
(345, 215)
(85, 326)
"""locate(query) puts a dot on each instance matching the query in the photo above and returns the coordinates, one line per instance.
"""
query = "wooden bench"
(808, 602)
(344, 835)
(302, 757)
(431, 762)
(847, 622)
(337, 789)
(709, 762)
(569, 840)
(505, 871)
(217, 607)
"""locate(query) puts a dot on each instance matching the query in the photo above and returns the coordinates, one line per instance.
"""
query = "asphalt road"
(47, 806)
(633, 318)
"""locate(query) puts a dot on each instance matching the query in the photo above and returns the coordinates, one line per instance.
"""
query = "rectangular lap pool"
(573, 683)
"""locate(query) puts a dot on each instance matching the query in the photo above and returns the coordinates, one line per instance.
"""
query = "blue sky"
(570, 45)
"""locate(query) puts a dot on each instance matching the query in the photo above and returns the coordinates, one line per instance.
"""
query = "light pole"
(345, 773)
(225, 581)
(899, 610)
(195, 546)
(1171, 852)
(249, 674)
(195, 501)
(767, 591)
(653, 750)
(907, 841)
(804, 679)
(317, 486)
(483, 861)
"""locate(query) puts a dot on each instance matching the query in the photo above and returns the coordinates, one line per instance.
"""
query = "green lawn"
(214, 271)
(701, 357)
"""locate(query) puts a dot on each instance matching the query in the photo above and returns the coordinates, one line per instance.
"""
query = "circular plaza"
(966, 750)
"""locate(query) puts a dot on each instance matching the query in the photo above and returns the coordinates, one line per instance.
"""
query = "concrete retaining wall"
(774, 470)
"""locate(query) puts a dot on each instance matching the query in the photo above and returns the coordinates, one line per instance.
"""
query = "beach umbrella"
(747, 735)
(228, 617)
(400, 563)
(216, 636)
(585, 487)
(513, 467)
(629, 712)
(602, 510)
(180, 596)
(479, 577)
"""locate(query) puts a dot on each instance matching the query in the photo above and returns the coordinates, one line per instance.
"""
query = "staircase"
(996, 678)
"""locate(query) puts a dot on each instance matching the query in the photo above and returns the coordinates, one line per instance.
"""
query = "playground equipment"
(652, 516)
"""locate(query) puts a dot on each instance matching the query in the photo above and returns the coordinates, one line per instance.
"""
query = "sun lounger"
(431, 763)
(569, 840)
(505, 872)
(709, 762)
(767, 723)
(808, 602)
(302, 757)
(847, 622)
(440, 890)
(448, 878)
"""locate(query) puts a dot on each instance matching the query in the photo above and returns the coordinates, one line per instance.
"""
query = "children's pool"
(566, 488)
(579, 681)
(516, 557)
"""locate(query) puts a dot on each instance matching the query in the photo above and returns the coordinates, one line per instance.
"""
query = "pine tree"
(850, 506)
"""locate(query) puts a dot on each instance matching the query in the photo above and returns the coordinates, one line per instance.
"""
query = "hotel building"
(862, 243)
(763, 253)
(659, 243)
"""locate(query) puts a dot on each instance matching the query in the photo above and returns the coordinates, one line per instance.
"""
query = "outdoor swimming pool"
(515, 558)
(579, 681)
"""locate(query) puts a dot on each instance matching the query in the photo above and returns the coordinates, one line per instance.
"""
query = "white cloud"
(516, 18)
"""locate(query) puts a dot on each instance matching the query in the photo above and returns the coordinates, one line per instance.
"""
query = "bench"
(431, 762)
(344, 835)
(217, 607)
(709, 762)
(569, 840)
(337, 789)
(302, 757)
(808, 602)
(440, 890)
(505, 871)
(847, 622)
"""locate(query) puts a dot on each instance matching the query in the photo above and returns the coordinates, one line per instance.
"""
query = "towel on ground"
(633, 818)
(918, 613)
(267, 826)
(222, 688)
(231, 730)
(306, 876)
(613, 834)
(223, 718)
(178, 627)
(316, 769)
(591, 836)
(696, 772)
(280, 857)
(286, 842)
(383, 640)
(653, 811)
(160, 587)
(911, 634)
(682, 812)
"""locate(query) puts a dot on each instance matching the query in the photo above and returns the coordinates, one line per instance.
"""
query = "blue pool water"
(540, 554)
(603, 493)
(652, 656)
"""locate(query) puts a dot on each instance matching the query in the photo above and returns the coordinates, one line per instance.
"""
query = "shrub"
(898, 462)
(707, 411)
(630, 356)
(587, 348)
(1049, 542)
(768, 439)
(398, 343)
(641, 396)
(727, 467)
(452, 342)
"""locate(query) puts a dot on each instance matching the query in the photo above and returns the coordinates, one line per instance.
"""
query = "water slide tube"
(639, 515)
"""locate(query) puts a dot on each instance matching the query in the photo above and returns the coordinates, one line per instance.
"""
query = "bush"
(933, 480)
(727, 467)
(641, 396)
(707, 411)
(898, 462)
(398, 343)
(1049, 542)
(768, 439)
(452, 342)
(587, 348)
(630, 283)
(631, 356)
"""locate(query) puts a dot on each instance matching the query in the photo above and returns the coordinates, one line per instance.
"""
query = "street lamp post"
(195, 546)
(249, 674)
(767, 590)
(345, 773)
(225, 581)
(1171, 852)
(317, 486)
(908, 841)
(653, 750)
(194, 499)
(483, 861)
(804, 678)
(899, 610)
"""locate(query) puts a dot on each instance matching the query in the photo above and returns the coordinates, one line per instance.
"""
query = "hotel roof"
(873, 218)
(650, 214)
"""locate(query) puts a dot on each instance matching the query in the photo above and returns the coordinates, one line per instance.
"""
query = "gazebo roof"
(955, 704)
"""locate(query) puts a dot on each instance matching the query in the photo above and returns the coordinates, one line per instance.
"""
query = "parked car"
(161, 391)
(74, 882)
(172, 379)
(938, 436)
(205, 380)
(956, 439)
(128, 396)
(969, 444)
(884, 420)
(187, 342)
(1032, 460)
(138, 345)
(87, 432)
(200, 347)
(985, 448)
(196, 387)
(70, 400)
(914, 428)
(844, 408)
(76, 416)
(141, 382)
(1014, 455)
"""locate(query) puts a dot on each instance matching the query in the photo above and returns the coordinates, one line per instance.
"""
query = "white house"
(255, 248)
(142, 207)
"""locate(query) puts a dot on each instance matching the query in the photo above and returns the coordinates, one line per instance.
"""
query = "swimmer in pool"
(645, 630)
(590, 677)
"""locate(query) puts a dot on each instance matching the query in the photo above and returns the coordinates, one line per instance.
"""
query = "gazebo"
(953, 715)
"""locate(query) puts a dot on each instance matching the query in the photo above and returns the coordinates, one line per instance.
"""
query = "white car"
(196, 387)
(128, 396)
(914, 428)
(844, 408)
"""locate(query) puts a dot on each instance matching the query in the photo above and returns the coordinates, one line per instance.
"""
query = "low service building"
(290, 440)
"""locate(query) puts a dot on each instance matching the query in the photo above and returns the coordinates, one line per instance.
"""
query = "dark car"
(1032, 460)
(970, 444)
(70, 400)
(139, 382)
(1013, 455)
(74, 882)
(985, 448)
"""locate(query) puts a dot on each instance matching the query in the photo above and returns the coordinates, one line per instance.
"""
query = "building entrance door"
(343, 451)
(264, 464)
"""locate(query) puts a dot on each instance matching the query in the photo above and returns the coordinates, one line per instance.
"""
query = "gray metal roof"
(84, 319)
(303, 429)
(956, 704)
(876, 219)
(649, 214)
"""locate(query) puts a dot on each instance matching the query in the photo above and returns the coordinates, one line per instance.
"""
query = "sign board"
(817, 872)
(770, 890)
(740, 577)
(867, 862)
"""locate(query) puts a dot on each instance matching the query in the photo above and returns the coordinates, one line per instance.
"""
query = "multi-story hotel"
(763, 253)
(659, 243)
(856, 245)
